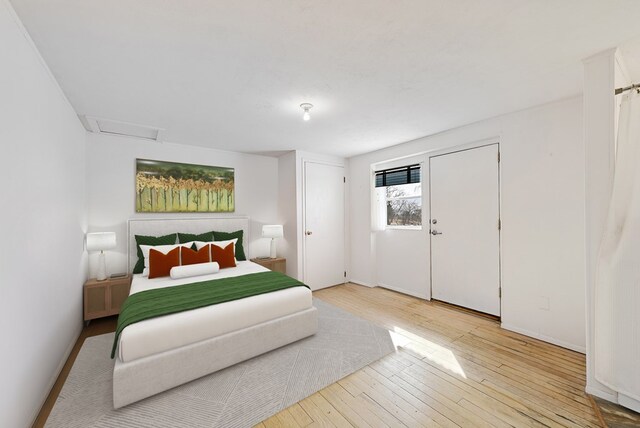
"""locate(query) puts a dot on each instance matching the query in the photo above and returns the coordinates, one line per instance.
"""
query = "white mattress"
(172, 331)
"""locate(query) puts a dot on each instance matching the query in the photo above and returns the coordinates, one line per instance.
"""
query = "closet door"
(465, 222)
(323, 225)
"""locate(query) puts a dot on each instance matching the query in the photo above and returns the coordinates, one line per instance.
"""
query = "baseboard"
(403, 291)
(629, 403)
(56, 374)
(602, 394)
(619, 398)
(366, 284)
(544, 338)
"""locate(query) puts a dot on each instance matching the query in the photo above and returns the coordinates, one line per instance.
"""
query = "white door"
(465, 235)
(323, 225)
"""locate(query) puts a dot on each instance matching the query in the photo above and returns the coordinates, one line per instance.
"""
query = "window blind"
(397, 176)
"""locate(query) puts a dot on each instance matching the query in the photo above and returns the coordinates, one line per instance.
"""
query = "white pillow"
(164, 249)
(199, 244)
(197, 269)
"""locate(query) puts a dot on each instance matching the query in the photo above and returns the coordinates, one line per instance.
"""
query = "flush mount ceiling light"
(306, 107)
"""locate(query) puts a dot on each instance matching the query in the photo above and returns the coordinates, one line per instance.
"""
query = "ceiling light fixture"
(306, 107)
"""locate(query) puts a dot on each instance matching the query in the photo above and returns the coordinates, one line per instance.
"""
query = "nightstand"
(104, 298)
(279, 264)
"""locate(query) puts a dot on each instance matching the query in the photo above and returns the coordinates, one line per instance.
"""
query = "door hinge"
(345, 273)
(498, 156)
(500, 292)
(499, 224)
(344, 179)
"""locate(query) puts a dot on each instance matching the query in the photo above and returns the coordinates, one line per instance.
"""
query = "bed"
(161, 353)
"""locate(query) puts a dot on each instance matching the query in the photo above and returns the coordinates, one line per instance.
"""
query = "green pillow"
(224, 236)
(188, 237)
(150, 240)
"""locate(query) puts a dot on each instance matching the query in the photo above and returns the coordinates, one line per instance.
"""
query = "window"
(404, 205)
(401, 190)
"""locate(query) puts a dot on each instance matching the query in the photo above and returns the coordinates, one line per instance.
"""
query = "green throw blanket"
(164, 301)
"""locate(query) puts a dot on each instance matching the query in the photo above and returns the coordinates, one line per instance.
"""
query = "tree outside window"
(404, 205)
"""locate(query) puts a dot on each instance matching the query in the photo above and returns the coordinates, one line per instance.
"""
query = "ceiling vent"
(122, 129)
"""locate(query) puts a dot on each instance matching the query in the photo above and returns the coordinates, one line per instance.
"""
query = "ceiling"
(231, 74)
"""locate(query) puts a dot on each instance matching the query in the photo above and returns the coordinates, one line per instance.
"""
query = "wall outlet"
(543, 303)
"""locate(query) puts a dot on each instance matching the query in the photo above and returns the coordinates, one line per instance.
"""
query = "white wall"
(42, 261)
(288, 211)
(391, 247)
(542, 192)
(111, 163)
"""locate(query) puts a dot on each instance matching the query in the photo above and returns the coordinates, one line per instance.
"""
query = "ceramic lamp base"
(101, 275)
(272, 254)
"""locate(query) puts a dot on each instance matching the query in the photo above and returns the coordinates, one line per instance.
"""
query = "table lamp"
(272, 231)
(101, 241)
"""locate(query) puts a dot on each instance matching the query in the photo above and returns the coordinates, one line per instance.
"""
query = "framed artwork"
(173, 187)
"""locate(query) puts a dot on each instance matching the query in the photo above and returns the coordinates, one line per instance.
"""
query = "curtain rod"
(628, 88)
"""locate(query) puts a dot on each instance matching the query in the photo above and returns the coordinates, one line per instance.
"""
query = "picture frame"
(173, 187)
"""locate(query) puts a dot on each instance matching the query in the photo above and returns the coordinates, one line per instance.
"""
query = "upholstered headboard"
(164, 226)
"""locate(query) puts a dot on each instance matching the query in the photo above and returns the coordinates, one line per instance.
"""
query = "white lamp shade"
(272, 231)
(100, 241)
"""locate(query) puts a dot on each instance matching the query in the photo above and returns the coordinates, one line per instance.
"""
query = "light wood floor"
(451, 368)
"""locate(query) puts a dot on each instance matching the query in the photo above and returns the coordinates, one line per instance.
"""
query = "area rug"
(239, 396)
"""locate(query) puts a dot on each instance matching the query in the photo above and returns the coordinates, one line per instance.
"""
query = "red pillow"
(161, 264)
(224, 256)
(192, 257)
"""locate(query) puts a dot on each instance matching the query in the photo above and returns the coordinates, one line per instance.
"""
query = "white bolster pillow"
(194, 270)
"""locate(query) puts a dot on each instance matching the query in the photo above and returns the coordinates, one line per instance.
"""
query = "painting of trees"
(178, 187)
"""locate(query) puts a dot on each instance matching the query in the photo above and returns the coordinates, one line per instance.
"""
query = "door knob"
(435, 232)
(308, 232)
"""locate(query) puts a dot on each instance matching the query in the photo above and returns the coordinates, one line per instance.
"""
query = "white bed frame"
(144, 377)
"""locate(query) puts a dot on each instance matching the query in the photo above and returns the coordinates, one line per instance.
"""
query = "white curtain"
(617, 288)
